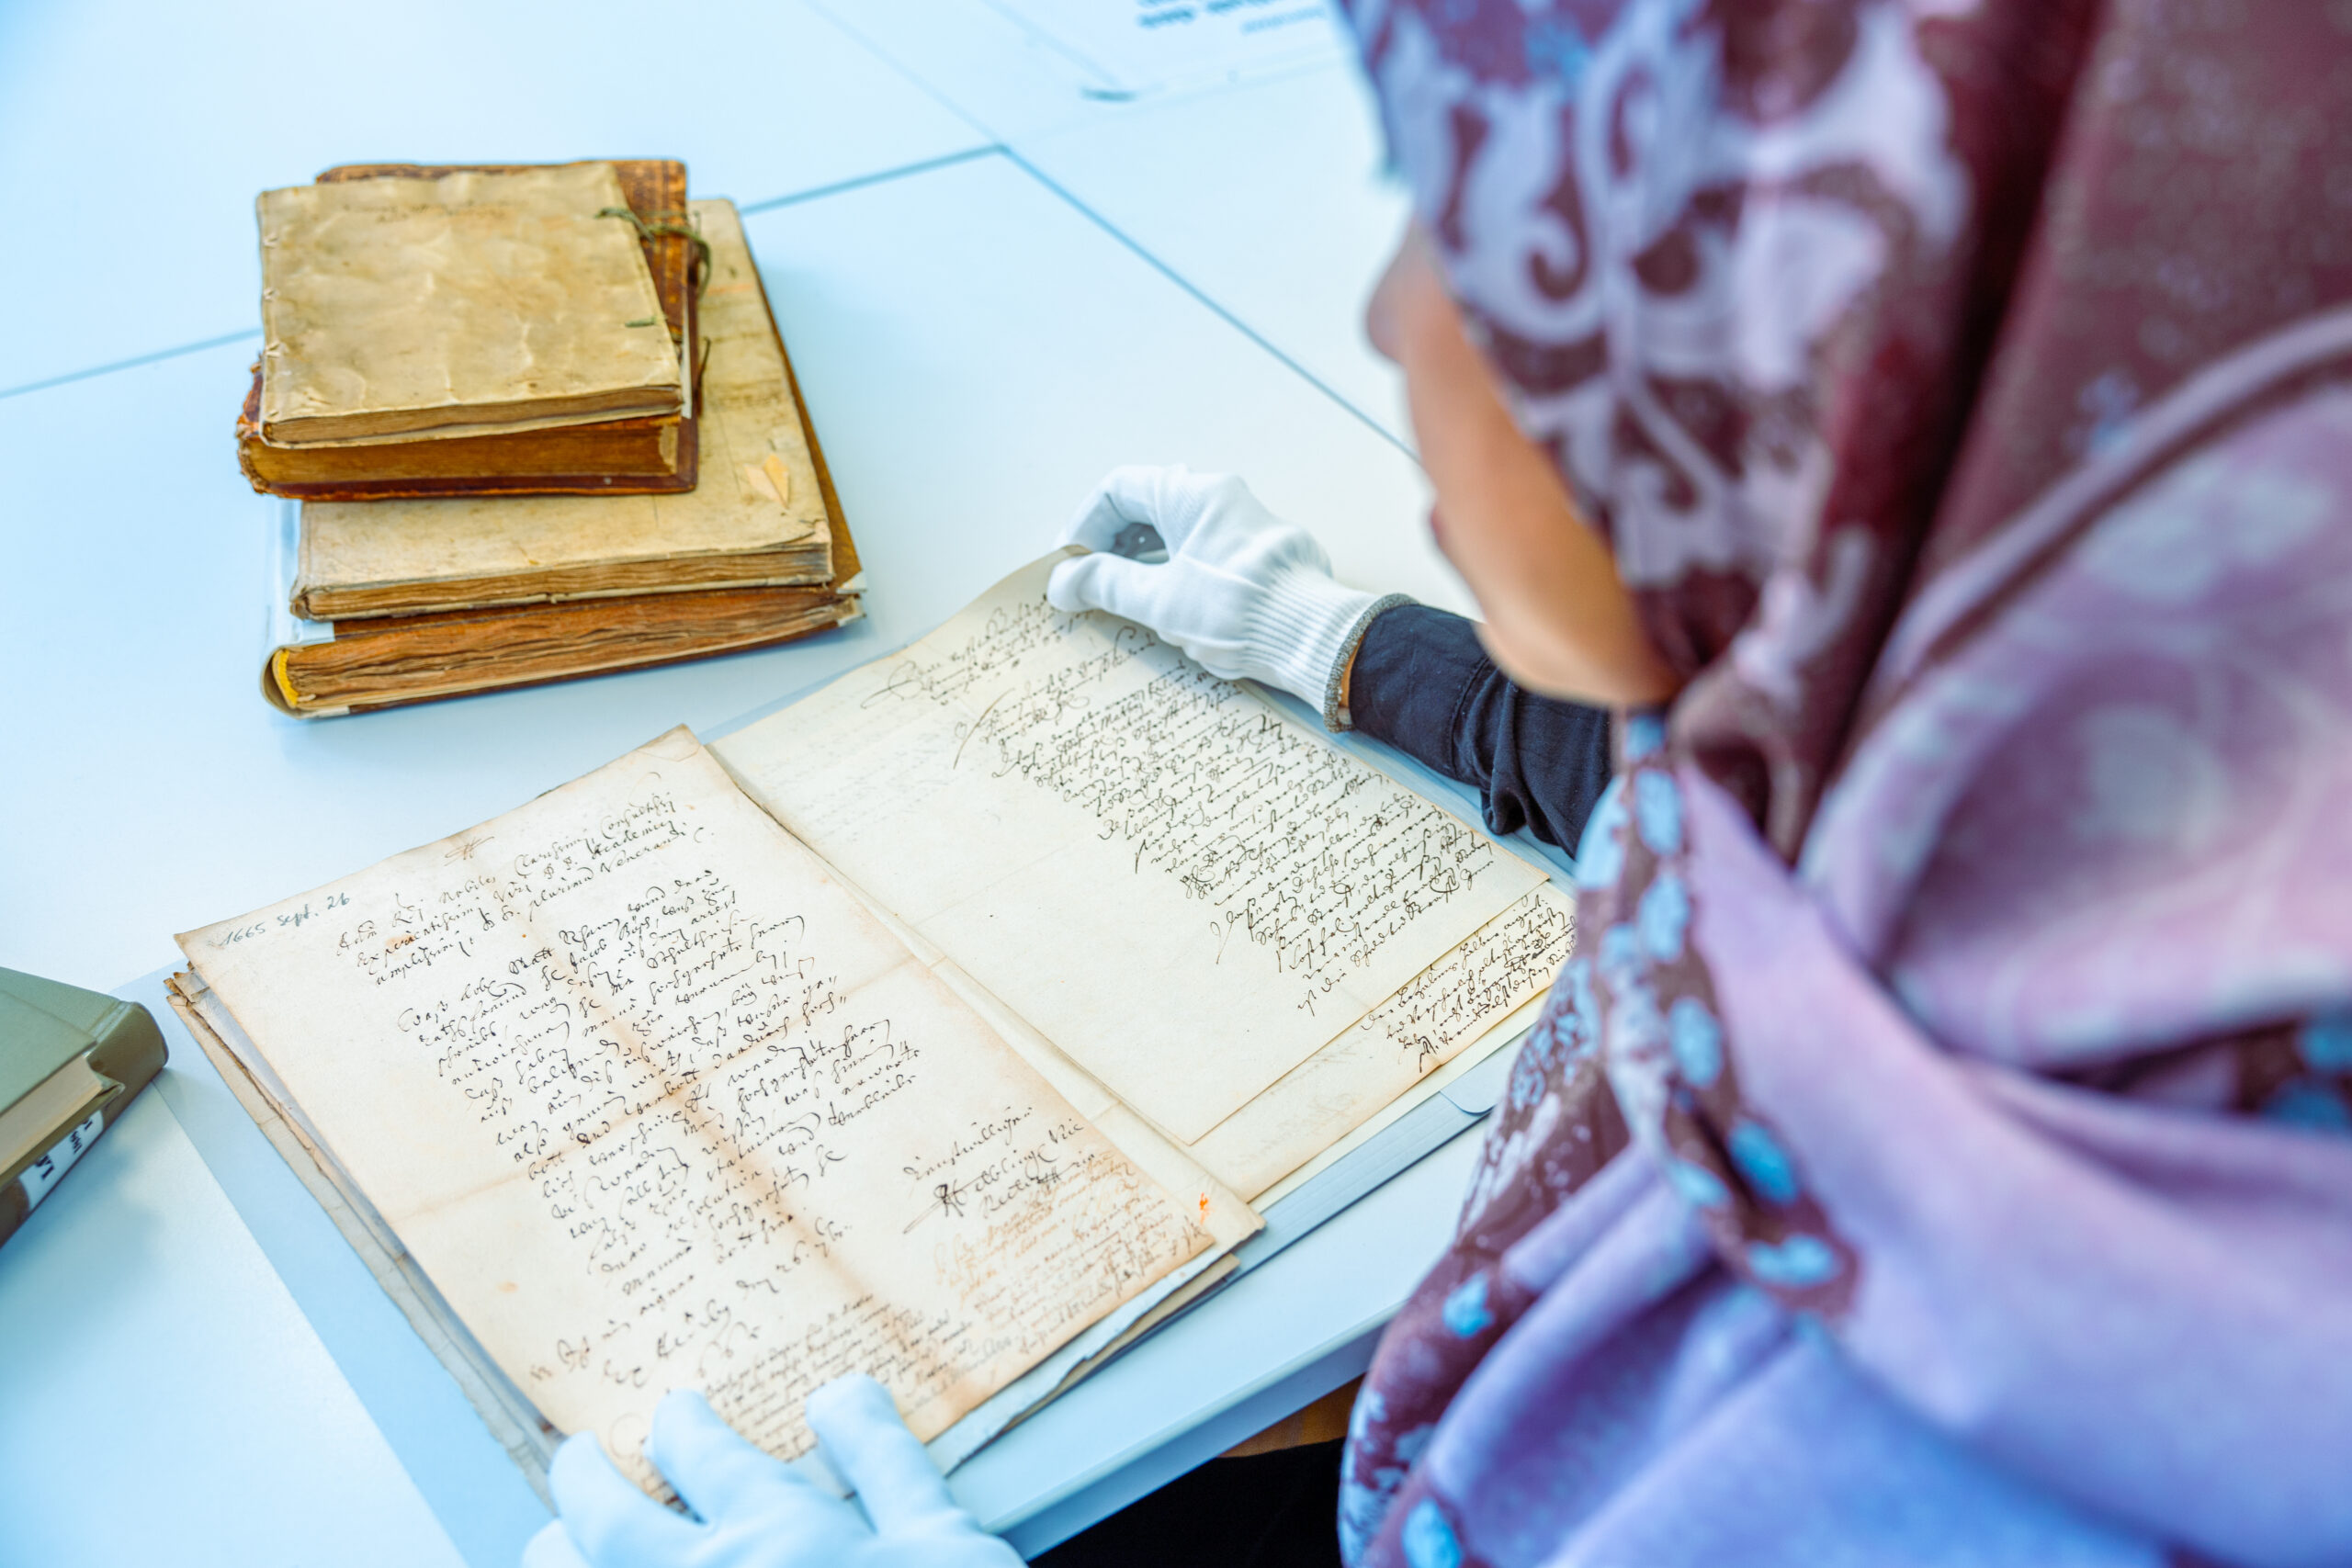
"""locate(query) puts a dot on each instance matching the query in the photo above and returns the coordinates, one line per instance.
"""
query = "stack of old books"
(532, 422)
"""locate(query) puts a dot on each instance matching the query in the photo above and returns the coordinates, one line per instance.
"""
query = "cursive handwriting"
(1296, 850)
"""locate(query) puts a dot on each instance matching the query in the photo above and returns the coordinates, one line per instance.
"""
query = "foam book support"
(70, 1061)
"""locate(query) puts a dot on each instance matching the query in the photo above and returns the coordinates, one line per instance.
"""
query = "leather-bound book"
(757, 520)
(421, 658)
(325, 671)
(562, 454)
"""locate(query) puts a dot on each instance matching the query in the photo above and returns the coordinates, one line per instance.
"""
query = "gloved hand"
(757, 1512)
(1247, 594)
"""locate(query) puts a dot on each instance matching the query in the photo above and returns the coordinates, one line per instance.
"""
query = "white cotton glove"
(757, 1511)
(1246, 594)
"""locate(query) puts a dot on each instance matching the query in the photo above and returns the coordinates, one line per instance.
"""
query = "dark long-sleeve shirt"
(1423, 685)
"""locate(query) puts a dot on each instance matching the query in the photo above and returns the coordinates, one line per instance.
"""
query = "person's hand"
(756, 1511)
(1245, 593)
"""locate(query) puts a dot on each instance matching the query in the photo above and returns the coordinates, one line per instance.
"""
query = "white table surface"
(164, 1400)
(140, 130)
(1266, 190)
(982, 320)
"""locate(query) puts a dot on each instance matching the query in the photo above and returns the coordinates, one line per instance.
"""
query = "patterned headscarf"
(1937, 1151)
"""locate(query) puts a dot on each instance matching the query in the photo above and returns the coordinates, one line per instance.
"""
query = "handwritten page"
(1449, 1007)
(1185, 891)
(655, 1104)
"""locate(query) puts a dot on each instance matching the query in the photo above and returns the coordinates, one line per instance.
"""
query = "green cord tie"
(646, 232)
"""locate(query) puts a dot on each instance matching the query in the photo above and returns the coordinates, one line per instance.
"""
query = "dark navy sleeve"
(1423, 685)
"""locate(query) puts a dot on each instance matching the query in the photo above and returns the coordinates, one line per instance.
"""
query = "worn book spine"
(624, 457)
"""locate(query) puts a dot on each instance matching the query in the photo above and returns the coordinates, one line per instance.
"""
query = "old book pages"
(654, 1102)
(379, 663)
(1183, 890)
(471, 300)
(757, 517)
(518, 1424)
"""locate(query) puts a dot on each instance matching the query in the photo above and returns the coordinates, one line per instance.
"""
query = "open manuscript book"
(944, 1025)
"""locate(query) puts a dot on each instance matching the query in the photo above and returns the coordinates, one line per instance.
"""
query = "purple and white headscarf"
(1941, 1149)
